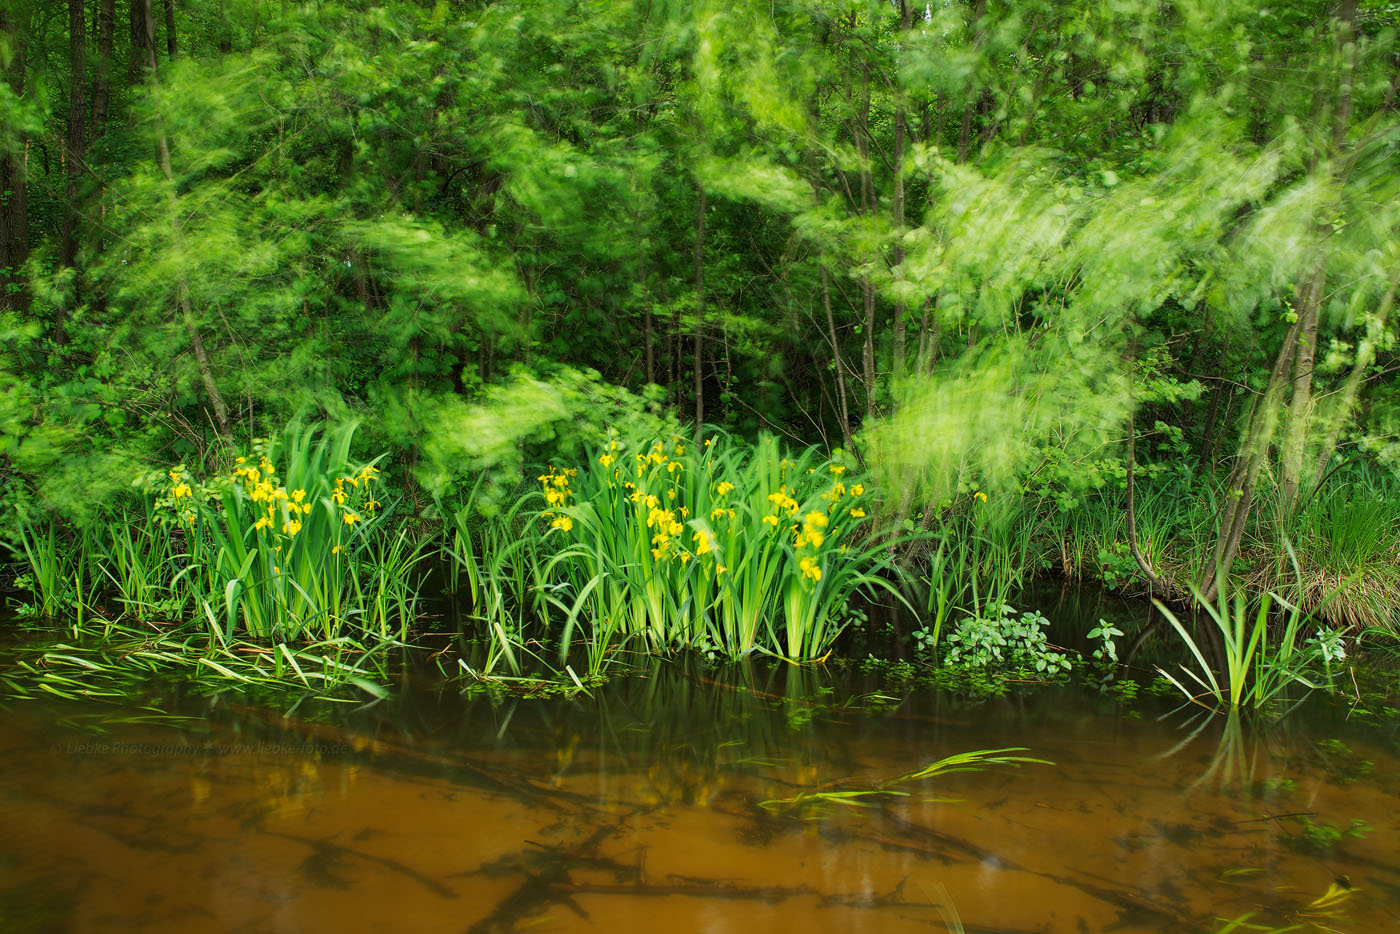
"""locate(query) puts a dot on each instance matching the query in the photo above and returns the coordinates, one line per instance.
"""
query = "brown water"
(639, 809)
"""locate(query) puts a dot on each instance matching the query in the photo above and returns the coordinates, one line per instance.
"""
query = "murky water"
(643, 808)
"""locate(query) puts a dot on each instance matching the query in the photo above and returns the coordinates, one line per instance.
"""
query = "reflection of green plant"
(1343, 764)
(817, 802)
(1320, 914)
(1322, 837)
(1005, 641)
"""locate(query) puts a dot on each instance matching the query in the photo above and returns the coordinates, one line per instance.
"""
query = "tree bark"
(142, 41)
(73, 142)
(842, 409)
(225, 30)
(171, 45)
(979, 13)
(14, 187)
(699, 314)
(1293, 457)
(102, 78)
(901, 119)
(1240, 487)
(867, 288)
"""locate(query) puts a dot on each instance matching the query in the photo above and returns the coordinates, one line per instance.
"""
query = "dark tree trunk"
(102, 78)
(14, 213)
(74, 139)
(141, 38)
(699, 314)
(171, 46)
(901, 121)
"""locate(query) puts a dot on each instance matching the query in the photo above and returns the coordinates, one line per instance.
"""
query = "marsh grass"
(118, 661)
(53, 568)
(1349, 550)
(1255, 671)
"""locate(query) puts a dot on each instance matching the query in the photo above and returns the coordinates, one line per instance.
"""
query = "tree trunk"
(979, 13)
(842, 409)
(73, 142)
(225, 30)
(699, 314)
(171, 46)
(102, 78)
(182, 289)
(1291, 453)
(867, 288)
(1293, 456)
(14, 189)
(648, 324)
(901, 129)
(142, 41)
(1254, 451)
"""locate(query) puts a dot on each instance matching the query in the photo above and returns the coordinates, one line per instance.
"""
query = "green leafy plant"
(1107, 651)
(1005, 641)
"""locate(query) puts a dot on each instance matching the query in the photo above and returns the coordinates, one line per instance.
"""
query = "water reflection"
(432, 811)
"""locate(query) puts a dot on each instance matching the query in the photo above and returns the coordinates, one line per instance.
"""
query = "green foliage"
(1002, 641)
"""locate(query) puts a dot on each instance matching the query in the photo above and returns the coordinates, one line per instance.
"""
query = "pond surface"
(659, 802)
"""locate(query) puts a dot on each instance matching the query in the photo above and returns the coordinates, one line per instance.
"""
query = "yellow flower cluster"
(181, 489)
(667, 528)
(262, 486)
(557, 493)
(659, 487)
(811, 532)
(181, 494)
(782, 500)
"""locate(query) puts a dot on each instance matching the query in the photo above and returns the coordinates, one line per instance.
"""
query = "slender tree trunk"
(225, 29)
(1240, 487)
(1293, 455)
(171, 46)
(842, 409)
(901, 129)
(648, 324)
(102, 77)
(182, 289)
(74, 140)
(142, 36)
(14, 187)
(979, 14)
(867, 288)
(699, 314)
